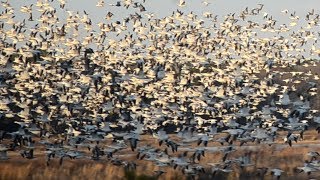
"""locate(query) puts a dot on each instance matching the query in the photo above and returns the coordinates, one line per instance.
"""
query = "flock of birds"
(70, 85)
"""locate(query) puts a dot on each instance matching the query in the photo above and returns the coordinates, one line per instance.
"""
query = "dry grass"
(275, 156)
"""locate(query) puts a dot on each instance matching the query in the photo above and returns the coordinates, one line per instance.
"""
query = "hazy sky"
(165, 7)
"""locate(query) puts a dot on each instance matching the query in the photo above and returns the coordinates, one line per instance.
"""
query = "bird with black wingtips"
(197, 154)
(276, 173)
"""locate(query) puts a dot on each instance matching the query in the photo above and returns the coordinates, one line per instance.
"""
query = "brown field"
(278, 155)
